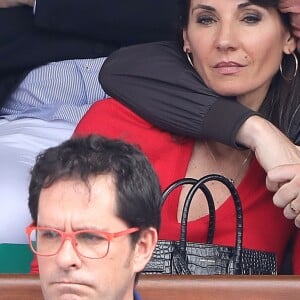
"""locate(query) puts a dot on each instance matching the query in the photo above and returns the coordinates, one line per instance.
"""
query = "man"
(95, 205)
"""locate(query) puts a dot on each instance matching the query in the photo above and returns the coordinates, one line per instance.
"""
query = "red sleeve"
(110, 118)
(113, 120)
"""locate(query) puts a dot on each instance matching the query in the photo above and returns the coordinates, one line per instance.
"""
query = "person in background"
(50, 56)
(95, 206)
(36, 32)
(260, 73)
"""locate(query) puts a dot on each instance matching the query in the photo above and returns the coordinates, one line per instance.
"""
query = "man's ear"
(144, 248)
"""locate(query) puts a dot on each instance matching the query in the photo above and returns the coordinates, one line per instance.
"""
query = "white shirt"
(57, 91)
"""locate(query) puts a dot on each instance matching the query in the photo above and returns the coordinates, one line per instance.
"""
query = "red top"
(265, 227)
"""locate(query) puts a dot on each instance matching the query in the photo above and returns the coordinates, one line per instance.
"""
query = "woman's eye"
(251, 19)
(205, 20)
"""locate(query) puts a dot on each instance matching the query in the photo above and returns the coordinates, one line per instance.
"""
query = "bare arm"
(271, 147)
(281, 160)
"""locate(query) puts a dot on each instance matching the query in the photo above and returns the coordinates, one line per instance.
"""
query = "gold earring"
(295, 71)
(187, 52)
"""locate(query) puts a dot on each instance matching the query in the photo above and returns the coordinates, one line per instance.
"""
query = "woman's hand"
(271, 147)
(285, 182)
(280, 158)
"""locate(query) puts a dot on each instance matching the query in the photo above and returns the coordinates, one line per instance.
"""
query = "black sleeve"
(294, 127)
(155, 81)
(122, 21)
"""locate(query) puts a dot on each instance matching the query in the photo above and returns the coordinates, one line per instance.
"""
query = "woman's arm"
(155, 81)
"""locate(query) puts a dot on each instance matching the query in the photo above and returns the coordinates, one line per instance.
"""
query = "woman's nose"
(226, 37)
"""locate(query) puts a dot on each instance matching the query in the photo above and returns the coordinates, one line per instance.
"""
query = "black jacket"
(174, 97)
(67, 29)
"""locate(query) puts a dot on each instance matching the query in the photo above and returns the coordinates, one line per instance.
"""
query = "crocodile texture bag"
(182, 257)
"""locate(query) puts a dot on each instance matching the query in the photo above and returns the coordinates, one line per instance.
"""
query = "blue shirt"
(57, 91)
(137, 296)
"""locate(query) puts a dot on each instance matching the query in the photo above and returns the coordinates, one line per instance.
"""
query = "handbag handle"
(210, 202)
(239, 216)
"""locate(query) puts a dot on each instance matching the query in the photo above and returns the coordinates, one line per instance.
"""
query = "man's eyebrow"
(93, 228)
(49, 226)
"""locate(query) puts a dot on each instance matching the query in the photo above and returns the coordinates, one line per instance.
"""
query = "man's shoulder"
(137, 296)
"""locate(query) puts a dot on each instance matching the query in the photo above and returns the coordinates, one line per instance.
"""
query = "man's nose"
(67, 257)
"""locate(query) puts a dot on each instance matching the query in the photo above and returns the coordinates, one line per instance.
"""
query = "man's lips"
(71, 287)
(70, 283)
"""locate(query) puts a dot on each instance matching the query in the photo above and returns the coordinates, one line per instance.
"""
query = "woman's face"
(236, 46)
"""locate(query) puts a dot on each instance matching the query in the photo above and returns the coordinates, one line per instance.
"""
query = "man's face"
(69, 205)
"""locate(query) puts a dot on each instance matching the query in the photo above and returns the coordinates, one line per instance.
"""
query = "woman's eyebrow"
(245, 4)
(203, 6)
(210, 8)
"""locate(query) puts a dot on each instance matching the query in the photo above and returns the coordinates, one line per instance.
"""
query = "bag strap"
(238, 209)
(208, 195)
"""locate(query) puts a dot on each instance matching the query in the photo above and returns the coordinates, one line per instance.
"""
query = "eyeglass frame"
(72, 237)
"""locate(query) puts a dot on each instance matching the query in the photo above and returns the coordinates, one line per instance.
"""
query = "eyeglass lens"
(88, 244)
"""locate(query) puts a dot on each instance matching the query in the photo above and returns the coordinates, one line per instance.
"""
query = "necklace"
(233, 180)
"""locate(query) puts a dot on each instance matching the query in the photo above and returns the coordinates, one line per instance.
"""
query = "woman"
(155, 82)
(240, 56)
(233, 65)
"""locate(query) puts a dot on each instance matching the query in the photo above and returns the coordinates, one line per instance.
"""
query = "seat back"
(172, 287)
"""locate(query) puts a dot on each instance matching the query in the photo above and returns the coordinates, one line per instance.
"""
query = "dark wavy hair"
(137, 186)
(282, 102)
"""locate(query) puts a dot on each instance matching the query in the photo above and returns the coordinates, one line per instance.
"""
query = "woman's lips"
(228, 68)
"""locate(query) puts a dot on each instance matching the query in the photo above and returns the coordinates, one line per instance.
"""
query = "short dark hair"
(137, 187)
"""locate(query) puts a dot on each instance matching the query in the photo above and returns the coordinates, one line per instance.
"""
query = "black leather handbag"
(182, 257)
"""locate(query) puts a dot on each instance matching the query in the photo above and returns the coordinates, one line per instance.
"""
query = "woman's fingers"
(285, 182)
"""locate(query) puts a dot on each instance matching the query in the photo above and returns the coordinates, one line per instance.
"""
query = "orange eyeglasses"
(47, 241)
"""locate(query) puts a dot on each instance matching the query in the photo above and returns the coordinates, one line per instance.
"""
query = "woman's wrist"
(253, 132)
